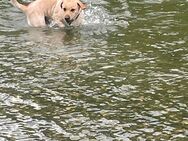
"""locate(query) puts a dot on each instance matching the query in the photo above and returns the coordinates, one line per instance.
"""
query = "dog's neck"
(77, 16)
(55, 4)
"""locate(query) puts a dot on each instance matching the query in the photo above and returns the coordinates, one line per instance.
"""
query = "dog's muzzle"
(68, 20)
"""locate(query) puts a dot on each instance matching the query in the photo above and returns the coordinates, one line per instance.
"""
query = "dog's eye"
(72, 10)
(64, 9)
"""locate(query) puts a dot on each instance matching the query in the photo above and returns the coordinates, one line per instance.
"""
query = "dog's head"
(71, 10)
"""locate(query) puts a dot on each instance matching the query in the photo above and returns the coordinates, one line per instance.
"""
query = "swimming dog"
(61, 12)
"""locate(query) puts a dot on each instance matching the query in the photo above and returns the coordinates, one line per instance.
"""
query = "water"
(123, 75)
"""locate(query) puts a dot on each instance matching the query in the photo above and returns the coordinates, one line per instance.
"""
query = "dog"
(61, 12)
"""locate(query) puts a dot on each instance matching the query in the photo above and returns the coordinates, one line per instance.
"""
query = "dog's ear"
(61, 5)
(58, 7)
(82, 5)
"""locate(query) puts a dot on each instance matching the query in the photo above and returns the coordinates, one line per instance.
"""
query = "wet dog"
(61, 12)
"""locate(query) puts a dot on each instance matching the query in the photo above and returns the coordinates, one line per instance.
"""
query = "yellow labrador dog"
(61, 12)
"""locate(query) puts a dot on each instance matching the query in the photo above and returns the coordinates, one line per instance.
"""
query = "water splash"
(96, 15)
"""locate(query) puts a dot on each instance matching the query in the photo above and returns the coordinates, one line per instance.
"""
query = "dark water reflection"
(121, 76)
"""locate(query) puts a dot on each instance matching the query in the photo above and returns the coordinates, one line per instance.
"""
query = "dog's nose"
(67, 18)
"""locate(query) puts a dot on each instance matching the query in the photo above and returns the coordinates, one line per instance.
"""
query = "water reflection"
(121, 76)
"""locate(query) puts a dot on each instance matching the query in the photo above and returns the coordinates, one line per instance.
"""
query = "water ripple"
(121, 76)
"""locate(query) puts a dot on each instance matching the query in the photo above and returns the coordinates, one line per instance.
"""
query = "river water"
(122, 75)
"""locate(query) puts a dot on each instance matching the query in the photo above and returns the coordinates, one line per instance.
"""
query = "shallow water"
(123, 75)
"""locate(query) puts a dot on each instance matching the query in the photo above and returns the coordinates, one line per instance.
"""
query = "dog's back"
(21, 6)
